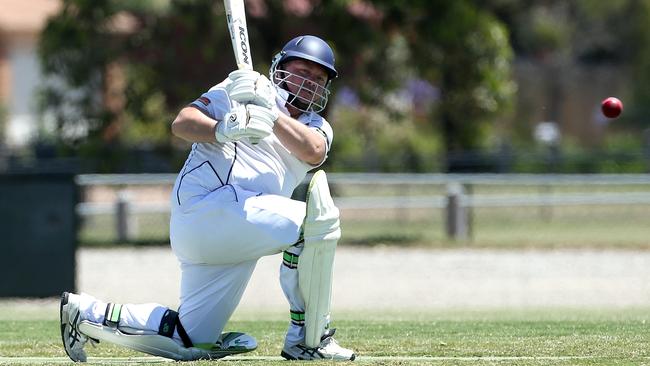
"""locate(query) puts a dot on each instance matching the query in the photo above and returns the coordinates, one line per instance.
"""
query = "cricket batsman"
(254, 140)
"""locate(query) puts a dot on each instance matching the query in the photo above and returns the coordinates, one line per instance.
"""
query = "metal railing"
(457, 194)
(401, 178)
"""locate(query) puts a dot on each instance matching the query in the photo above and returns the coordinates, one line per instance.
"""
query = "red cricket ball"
(611, 107)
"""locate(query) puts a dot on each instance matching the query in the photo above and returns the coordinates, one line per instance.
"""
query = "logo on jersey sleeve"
(203, 100)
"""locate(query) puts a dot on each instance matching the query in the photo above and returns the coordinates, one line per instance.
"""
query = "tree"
(119, 69)
(464, 50)
(71, 56)
(175, 50)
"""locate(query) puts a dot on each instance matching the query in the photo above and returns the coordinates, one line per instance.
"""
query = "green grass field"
(616, 227)
(29, 334)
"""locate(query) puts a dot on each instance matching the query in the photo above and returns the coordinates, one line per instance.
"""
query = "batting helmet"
(309, 48)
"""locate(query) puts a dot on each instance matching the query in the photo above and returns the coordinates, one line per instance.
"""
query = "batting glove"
(249, 86)
(246, 121)
(260, 122)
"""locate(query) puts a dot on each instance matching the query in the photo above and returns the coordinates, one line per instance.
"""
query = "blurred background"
(457, 123)
(502, 86)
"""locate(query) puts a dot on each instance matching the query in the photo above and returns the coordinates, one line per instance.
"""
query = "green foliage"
(370, 139)
(638, 112)
(545, 29)
(177, 49)
(69, 51)
(590, 32)
(81, 43)
(478, 81)
(464, 50)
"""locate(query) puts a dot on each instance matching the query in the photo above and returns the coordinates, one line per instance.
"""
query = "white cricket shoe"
(328, 349)
(73, 340)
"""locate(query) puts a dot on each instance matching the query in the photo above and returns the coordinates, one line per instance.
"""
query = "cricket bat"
(236, 16)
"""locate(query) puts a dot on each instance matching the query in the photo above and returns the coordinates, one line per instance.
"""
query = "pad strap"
(112, 315)
(170, 322)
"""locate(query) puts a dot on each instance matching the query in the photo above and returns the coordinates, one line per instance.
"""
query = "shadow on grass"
(384, 239)
(131, 243)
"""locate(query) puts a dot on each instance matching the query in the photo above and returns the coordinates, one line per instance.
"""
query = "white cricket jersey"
(268, 167)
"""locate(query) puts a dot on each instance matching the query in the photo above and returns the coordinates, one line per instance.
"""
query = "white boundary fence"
(457, 201)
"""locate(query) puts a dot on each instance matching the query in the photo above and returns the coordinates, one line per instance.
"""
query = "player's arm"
(194, 126)
(211, 118)
(306, 143)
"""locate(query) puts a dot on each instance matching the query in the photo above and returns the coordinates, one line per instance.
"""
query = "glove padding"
(246, 121)
(249, 86)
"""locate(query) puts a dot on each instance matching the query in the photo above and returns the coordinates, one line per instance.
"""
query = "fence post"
(646, 148)
(457, 224)
(123, 217)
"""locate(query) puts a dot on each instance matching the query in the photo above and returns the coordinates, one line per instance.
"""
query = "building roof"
(26, 16)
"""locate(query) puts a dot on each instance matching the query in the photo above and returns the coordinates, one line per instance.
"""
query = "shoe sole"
(64, 301)
(291, 358)
(287, 356)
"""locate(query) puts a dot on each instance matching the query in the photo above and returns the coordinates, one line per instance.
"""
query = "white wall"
(25, 79)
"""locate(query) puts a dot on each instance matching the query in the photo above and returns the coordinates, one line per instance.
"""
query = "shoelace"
(311, 352)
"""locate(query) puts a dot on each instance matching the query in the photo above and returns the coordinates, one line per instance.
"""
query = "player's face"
(310, 75)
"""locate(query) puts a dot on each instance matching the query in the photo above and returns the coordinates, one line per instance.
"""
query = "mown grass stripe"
(150, 359)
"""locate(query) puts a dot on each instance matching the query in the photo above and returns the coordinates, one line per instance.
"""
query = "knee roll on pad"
(322, 216)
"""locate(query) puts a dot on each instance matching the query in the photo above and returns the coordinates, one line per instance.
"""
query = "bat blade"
(236, 16)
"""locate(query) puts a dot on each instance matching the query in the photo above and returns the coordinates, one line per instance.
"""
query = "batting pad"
(316, 262)
(229, 343)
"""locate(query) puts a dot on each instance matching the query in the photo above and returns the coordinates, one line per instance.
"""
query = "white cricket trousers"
(218, 238)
